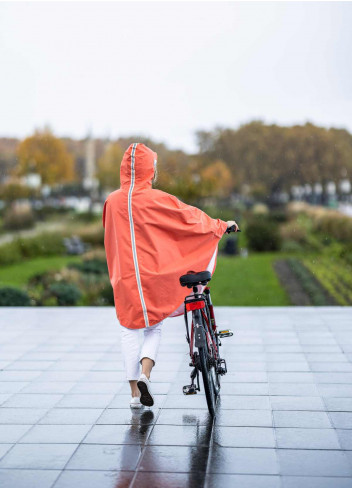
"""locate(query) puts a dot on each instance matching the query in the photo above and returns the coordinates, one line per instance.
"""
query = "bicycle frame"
(200, 304)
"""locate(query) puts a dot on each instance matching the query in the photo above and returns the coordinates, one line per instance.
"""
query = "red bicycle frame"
(202, 303)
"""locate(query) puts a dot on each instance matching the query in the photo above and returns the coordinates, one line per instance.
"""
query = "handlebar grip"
(232, 229)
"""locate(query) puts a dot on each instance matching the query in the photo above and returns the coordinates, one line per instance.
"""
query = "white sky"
(165, 70)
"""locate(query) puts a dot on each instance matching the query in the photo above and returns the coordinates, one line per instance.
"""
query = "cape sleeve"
(193, 218)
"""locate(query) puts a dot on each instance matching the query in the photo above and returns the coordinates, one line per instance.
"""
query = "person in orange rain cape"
(151, 239)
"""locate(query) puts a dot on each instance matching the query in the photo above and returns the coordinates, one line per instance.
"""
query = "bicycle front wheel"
(207, 380)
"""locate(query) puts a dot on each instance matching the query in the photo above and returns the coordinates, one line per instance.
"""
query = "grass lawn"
(18, 274)
(247, 282)
(237, 281)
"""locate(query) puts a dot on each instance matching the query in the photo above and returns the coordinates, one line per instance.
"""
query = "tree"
(108, 172)
(47, 155)
(216, 180)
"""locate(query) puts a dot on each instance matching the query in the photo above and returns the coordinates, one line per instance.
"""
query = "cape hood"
(151, 239)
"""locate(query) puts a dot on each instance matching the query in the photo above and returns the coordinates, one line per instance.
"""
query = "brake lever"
(232, 229)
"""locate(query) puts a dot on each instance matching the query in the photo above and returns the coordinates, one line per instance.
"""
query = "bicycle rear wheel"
(208, 381)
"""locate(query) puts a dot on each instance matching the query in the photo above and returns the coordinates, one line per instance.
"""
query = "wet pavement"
(284, 419)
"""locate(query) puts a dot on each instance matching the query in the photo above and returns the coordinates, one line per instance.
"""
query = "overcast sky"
(165, 70)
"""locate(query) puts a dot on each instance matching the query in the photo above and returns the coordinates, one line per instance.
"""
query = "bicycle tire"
(216, 376)
(207, 380)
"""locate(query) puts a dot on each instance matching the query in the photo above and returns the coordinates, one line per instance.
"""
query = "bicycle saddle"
(192, 278)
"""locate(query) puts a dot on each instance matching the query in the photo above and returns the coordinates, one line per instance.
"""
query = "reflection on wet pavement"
(283, 420)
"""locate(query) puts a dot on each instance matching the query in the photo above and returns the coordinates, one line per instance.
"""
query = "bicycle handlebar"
(232, 229)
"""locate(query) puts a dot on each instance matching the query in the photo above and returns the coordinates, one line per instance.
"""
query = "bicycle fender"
(199, 336)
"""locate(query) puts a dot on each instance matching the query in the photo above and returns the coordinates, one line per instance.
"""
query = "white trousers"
(132, 351)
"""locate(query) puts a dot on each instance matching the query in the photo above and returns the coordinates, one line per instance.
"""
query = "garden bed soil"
(291, 284)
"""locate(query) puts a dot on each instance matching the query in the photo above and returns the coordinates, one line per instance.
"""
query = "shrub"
(66, 294)
(278, 216)
(10, 253)
(294, 231)
(10, 296)
(94, 265)
(16, 219)
(93, 235)
(260, 209)
(263, 235)
(107, 295)
(45, 244)
(289, 246)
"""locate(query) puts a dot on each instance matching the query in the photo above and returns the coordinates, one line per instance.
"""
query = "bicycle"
(205, 337)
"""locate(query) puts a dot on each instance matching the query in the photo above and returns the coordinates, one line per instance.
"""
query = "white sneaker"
(143, 385)
(135, 402)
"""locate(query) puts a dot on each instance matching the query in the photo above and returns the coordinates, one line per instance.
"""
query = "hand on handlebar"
(232, 226)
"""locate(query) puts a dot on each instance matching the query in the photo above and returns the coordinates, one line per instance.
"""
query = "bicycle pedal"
(189, 390)
(225, 333)
(222, 368)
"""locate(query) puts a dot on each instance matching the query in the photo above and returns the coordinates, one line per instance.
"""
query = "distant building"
(89, 171)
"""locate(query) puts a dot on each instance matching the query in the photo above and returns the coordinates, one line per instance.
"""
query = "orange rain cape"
(151, 239)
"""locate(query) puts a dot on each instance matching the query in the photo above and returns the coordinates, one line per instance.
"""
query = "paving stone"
(331, 366)
(11, 433)
(341, 420)
(305, 438)
(132, 434)
(245, 377)
(105, 457)
(244, 402)
(18, 376)
(339, 390)
(174, 459)
(128, 416)
(231, 480)
(94, 478)
(56, 434)
(333, 377)
(4, 398)
(28, 366)
(33, 400)
(27, 478)
(12, 387)
(345, 438)
(314, 463)
(48, 388)
(85, 401)
(225, 460)
(294, 403)
(21, 415)
(235, 389)
(243, 437)
(169, 479)
(338, 404)
(96, 388)
(291, 377)
(301, 419)
(286, 389)
(5, 448)
(188, 435)
(71, 416)
(38, 456)
(296, 481)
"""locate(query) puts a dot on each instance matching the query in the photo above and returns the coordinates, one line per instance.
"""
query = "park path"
(284, 420)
